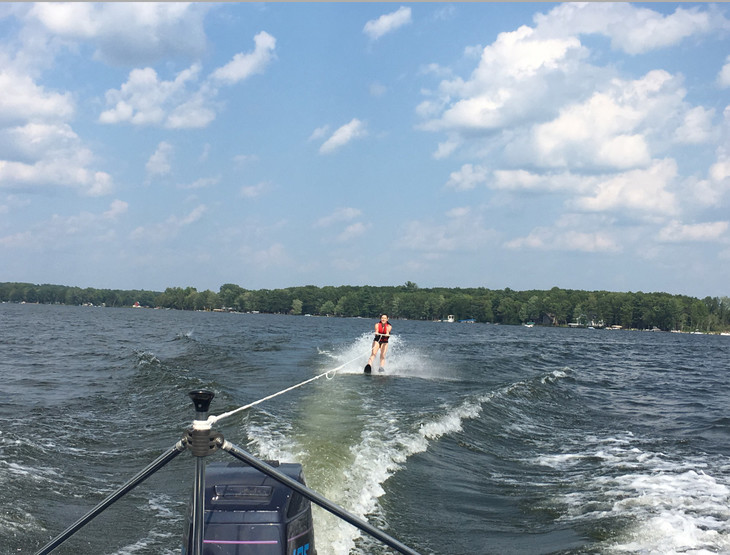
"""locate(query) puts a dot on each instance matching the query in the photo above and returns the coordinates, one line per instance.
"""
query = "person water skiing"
(382, 334)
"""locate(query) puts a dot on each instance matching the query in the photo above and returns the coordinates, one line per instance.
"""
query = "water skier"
(380, 343)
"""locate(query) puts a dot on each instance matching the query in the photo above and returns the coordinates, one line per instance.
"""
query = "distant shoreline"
(553, 307)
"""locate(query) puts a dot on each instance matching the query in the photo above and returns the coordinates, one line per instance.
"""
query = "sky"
(270, 145)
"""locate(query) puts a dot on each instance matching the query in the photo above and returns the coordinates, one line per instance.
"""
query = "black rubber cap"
(201, 399)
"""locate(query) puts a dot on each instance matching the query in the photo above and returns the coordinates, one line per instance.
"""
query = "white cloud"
(20, 240)
(535, 98)
(170, 228)
(633, 29)
(723, 78)
(23, 100)
(194, 215)
(523, 180)
(429, 108)
(253, 191)
(202, 183)
(205, 153)
(435, 69)
(459, 212)
(352, 231)
(641, 190)
(59, 231)
(387, 23)
(99, 184)
(463, 230)
(38, 148)
(116, 208)
(609, 129)
(61, 167)
(243, 159)
(697, 126)
(273, 256)
(676, 232)
(68, 18)
(146, 100)
(33, 141)
(524, 53)
(377, 90)
(549, 239)
(128, 33)
(648, 30)
(319, 133)
(184, 102)
(159, 163)
(709, 192)
(704, 191)
(516, 180)
(720, 170)
(340, 215)
(194, 113)
(243, 66)
(446, 148)
(506, 85)
(467, 178)
(348, 132)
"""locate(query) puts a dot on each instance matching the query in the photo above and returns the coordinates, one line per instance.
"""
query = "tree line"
(635, 310)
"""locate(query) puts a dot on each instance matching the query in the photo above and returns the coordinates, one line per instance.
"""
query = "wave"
(667, 504)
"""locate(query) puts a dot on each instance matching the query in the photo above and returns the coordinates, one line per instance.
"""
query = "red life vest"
(382, 328)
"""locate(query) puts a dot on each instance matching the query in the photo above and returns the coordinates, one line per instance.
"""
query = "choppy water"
(480, 439)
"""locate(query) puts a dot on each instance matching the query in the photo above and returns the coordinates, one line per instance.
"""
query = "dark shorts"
(381, 339)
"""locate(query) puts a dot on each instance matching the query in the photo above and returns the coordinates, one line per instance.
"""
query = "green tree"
(228, 293)
(558, 304)
(698, 315)
(348, 305)
(508, 311)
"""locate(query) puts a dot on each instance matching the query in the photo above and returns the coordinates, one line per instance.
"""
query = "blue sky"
(519, 145)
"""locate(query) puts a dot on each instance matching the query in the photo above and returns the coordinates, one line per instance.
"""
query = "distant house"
(549, 320)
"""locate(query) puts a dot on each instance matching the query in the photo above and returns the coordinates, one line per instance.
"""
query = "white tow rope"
(329, 374)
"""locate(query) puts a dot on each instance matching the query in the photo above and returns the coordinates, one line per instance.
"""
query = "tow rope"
(329, 374)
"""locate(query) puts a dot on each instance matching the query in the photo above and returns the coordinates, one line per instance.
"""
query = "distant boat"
(529, 324)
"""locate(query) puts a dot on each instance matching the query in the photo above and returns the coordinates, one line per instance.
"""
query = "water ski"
(367, 369)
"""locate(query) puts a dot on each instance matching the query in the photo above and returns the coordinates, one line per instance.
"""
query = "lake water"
(479, 439)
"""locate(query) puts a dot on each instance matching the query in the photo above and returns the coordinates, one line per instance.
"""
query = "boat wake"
(352, 438)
